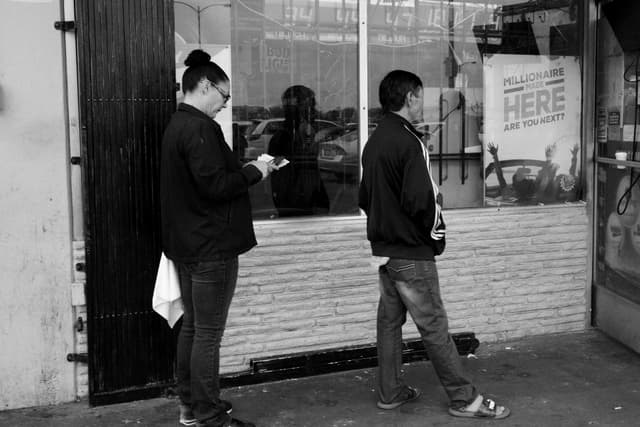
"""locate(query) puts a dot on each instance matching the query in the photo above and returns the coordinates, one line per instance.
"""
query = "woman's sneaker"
(233, 422)
(186, 416)
(239, 423)
(407, 395)
(188, 419)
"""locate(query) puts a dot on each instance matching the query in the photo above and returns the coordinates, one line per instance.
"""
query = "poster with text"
(531, 129)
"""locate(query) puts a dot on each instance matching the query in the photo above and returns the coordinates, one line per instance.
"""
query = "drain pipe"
(74, 190)
(71, 113)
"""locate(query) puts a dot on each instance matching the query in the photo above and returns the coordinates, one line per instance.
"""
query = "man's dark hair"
(394, 88)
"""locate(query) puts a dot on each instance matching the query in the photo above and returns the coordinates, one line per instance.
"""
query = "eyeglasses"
(225, 96)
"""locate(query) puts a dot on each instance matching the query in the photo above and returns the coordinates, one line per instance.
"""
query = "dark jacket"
(206, 212)
(298, 188)
(398, 194)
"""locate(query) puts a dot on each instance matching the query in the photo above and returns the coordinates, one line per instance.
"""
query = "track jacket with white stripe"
(398, 194)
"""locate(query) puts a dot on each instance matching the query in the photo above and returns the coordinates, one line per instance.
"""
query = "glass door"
(616, 293)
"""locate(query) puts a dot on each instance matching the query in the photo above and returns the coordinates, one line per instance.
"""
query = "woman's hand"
(265, 168)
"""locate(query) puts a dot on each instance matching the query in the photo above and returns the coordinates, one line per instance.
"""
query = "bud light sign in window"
(276, 57)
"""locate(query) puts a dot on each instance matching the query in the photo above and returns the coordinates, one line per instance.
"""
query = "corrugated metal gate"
(127, 94)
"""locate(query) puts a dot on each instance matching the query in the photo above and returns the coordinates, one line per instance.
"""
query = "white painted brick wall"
(310, 285)
(506, 273)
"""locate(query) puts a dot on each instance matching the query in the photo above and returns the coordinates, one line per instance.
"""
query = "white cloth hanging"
(166, 300)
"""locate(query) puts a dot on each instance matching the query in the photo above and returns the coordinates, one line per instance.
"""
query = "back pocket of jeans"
(402, 270)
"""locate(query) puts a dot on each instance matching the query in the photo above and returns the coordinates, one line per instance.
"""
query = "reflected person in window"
(206, 224)
(405, 227)
(297, 188)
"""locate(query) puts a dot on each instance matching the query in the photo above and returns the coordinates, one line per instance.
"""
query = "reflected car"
(258, 139)
(245, 127)
(341, 156)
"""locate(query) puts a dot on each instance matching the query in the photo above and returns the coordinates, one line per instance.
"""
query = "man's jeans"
(413, 285)
(207, 289)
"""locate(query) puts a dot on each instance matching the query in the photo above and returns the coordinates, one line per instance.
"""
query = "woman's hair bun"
(197, 57)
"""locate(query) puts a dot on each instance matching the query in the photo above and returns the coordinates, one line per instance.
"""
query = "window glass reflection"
(295, 90)
(298, 188)
(617, 136)
(618, 68)
(618, 238)
(460, 49)
(449, 45)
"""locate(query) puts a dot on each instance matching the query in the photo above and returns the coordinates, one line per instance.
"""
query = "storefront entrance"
(273, 49)
(616, 292)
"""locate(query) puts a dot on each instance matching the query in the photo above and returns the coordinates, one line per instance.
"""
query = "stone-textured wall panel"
(311, 284)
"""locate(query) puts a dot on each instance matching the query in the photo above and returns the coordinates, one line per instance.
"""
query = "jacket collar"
(398, 118)
(192, 110)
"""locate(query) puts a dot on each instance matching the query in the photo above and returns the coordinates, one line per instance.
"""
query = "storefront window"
(502, 94)
(295, 67)
(617, 266)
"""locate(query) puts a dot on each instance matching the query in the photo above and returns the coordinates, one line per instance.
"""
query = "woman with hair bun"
(206, 224)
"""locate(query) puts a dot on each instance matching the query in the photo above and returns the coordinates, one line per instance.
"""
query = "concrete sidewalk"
(579, 379)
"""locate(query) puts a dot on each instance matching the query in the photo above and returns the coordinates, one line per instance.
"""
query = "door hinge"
(75, 160)
(65, 25)
(78, 357)
(80, 266)
(79, 324)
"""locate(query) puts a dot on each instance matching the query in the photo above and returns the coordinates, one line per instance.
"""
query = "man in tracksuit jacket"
(405, 226)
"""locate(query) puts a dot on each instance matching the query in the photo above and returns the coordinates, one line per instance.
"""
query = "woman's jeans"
(207, 289)
(411, 285)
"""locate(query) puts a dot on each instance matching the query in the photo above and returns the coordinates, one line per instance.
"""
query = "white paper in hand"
(268, 158)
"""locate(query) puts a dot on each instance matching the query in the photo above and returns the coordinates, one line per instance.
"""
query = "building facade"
(526, 106)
